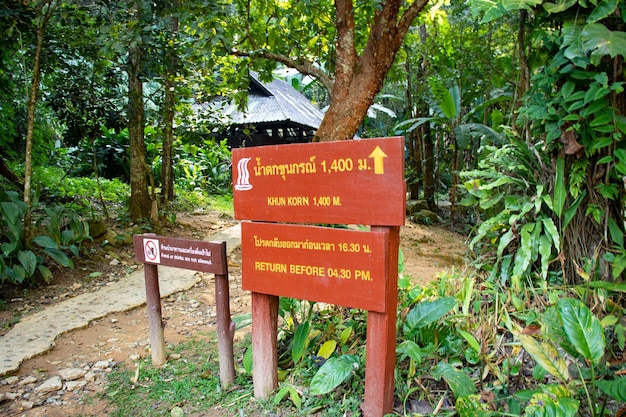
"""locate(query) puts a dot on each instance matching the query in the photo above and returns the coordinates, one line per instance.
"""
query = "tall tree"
(355, 61)
(43, 12)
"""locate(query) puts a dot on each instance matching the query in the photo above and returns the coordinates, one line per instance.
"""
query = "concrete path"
(35, 334)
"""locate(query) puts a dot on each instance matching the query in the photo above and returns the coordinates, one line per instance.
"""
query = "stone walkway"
(35, 334)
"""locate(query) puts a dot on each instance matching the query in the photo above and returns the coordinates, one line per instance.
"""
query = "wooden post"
(264, 354)
(155, 319)
(380, 357)
(225, 327)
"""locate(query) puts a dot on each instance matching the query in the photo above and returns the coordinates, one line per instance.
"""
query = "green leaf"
(582, 329)
(28, 261)
(546, 356)
(345, 335)
(460, 384)
(571, 211)
(545, 250)
(495, 9)
(45, 272)
(300, 341)
(428, 312)
(615, 389)
(610, 286)
(617, 236)
(333, 373)
(559, 6)
(46, 242)
(552, 231)
(549, 405)
(327, 349)
(602, 42)
(12, 213)
(471, 340)
(59, 257)
(525, 250)
(247, 360)
(604, 9)
(560, 193)
(409, 349)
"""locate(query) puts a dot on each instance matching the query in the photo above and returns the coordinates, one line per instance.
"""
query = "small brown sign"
(337, 266)
(353, 181)
(197, 255)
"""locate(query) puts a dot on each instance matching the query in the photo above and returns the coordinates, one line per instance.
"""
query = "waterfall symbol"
(243, 176)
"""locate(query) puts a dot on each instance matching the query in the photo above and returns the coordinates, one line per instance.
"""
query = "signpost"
(346, 182)
(197, 255)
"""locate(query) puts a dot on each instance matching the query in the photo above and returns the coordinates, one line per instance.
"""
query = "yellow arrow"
(378, 155)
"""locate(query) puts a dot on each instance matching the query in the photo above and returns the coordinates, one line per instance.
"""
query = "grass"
(190, 383)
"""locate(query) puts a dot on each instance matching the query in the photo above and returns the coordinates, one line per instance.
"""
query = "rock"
(27, 405)
(413, 206)
(97, 228)
(114, 262)
(426, 217)
(52, 384)
(28, 380)
(101, 365)
(11, 396)
(72, 374)
(12, 380)
(175, 356)
(75, 385)
(134, 357)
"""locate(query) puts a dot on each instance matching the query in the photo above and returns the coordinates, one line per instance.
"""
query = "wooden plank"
(264, 354)
(155, 317)
(354, 182)
(380, 357)
(197, 255)
(337, 266)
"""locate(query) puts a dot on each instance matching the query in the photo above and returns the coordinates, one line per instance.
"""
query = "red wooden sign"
(354, 181)
(197, 255)
(336, 266)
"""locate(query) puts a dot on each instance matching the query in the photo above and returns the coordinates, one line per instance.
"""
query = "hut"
(276, 113)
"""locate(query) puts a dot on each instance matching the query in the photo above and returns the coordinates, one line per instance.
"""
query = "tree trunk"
(429, 168)
(359, 78)
(7, 173)
(140, 202)
(45, 11)
(167, 177)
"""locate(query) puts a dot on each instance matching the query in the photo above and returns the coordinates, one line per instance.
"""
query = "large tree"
(350, 58)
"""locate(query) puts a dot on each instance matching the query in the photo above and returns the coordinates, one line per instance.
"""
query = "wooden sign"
(197, 255)
(336, 266)
(355, 182)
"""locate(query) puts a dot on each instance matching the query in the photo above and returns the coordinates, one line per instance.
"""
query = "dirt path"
(124, 337)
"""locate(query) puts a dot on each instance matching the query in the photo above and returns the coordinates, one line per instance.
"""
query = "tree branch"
(346, 49)
(304, 66)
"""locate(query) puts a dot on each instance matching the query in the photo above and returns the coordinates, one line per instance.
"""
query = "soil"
(123, 337)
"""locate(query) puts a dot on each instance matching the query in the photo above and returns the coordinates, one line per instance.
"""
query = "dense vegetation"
(514, 112)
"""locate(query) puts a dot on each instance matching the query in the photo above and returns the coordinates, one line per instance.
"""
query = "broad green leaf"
(409, 349)
(602, 10)
(247, 360)
(59, 257)
(45, 273)
(460, 384)
(559, 5)
(472, 406)
(547, 405)
(617, 236)
(447, 103)
(19, 274)
(560, 192)
(615, 389)
(582, 329)
(428, 312)
(11, 212)
(495, 9)
(9, 247)
(602, 42)
(28, 260)
(67, 236)
(327, 349)
(610, 286)
(300, 341)
(333, 373)
(46, 242)
(546, 356)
